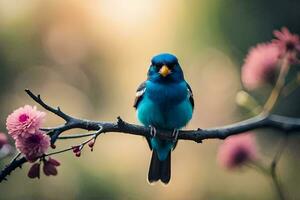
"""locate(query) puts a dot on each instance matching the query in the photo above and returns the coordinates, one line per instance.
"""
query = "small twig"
(277, 185)
(258, 166)
(284, 68)
(95, 135)
(270, 171)
(73, 136)
(58, 152)
(279, 152)
(49, 108)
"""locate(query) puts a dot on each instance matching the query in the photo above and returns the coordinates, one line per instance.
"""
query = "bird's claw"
(152, 131)
(175, 134)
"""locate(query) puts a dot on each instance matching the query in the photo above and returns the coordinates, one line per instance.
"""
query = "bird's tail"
(159, 170)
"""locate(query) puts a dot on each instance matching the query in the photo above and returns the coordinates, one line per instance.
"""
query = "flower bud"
(49, 169)
(91, 144)
(34, 171)
(54, 162)
(78, 154)
(76, 149)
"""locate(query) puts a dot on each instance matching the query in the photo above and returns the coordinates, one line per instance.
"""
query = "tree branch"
(286, 124)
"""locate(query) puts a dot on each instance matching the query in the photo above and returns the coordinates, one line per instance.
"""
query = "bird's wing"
(139, 94)
(138, 97)
(190, 95)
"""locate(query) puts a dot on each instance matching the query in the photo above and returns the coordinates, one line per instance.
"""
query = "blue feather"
(165, 106)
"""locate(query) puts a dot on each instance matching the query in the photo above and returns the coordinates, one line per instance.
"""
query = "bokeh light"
(89, 57)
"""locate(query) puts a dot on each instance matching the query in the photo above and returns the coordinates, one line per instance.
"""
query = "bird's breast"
(165, 107)
(166, 94)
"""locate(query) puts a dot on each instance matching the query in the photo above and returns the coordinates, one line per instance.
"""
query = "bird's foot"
(152, 131)
(175, 135)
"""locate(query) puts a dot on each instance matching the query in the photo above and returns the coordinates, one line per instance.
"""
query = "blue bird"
(164, 101)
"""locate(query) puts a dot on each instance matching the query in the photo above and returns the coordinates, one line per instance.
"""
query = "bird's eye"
(174, 66)
(157, 67)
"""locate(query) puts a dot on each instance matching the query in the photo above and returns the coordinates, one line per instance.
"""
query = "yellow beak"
(164, 71)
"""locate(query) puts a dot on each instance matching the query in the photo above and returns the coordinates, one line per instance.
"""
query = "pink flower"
(287, 41)
(24, 120)
(3, 140)
(33, 145)
(237, 150)
(261, 65)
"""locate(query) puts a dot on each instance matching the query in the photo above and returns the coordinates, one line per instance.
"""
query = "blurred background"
(89, 56)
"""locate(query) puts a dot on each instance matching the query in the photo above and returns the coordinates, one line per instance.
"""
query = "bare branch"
(11, 167)
(57, 111)
(286, 124)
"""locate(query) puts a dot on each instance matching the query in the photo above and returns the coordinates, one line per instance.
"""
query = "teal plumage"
(163, 101)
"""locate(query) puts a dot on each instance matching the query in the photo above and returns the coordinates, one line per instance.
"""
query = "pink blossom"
(3, 140)
(236, 150)
(24, 120)
(287, 41)
(261, 65)
(33, 145)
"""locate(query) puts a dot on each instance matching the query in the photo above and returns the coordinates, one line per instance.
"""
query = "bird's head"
(165, 68)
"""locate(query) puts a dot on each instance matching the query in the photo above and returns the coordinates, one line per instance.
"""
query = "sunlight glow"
(129, 12)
